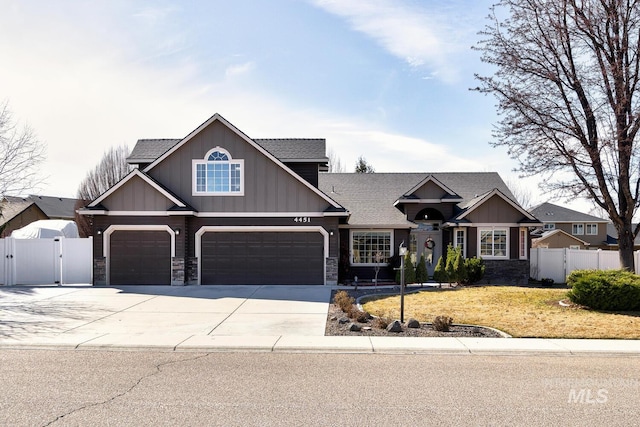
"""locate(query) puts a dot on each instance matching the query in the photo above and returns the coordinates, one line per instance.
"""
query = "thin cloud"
(415, 35)
(239, 69)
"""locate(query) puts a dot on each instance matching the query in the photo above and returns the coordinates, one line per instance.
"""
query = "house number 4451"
(302, 219)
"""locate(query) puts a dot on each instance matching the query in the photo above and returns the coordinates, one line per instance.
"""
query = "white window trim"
(523, 243)
(574, 247)
(592, 226)
(204, 161)
(493, 229)
(464, 240)
(549, 226)
(370, 264)
(577, 227)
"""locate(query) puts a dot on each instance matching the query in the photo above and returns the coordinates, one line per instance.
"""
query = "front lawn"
(518, 311)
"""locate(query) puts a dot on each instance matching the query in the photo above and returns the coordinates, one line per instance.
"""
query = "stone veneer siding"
(192, 270)
(100, 271)
(177, 271)
(332, 271)
(507, 272)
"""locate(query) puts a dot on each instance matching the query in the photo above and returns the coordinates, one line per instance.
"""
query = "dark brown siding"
(495, 210)
(514, 245)
(267, 186)
(472, 242)
(308, 171)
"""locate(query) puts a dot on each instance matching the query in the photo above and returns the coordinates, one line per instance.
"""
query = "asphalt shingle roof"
(370, 197)
(147, 150)
(295, 148)
(548, 212)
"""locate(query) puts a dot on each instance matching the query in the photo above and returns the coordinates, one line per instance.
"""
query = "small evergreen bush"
(474, 269)
(421, 271)
(450, 264)
(439, 274)
(460, 268)
(611, 290)
(409, 271)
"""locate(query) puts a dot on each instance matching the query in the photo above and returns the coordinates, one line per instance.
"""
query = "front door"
(427, 239)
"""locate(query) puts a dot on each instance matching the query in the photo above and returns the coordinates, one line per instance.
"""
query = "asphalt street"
(65, 388)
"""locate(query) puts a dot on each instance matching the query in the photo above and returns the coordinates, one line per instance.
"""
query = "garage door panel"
(262, 258)
(140, 258)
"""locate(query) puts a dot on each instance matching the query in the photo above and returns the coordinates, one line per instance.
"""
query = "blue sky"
(386, 79)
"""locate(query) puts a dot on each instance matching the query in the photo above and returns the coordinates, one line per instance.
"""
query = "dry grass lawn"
(518, 311)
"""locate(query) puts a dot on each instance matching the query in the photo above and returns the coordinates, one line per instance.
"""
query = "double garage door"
(262, 258)
(227, 258)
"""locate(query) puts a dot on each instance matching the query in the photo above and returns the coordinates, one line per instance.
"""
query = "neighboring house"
(587, 230)
(612, 238)
(218, 207)
(17, 212)
(558, 239)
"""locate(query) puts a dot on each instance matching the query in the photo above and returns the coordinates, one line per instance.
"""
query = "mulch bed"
(334, 327)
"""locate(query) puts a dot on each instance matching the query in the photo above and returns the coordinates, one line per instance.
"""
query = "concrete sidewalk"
(225, 318)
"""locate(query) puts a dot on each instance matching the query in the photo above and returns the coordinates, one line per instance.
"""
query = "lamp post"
(402, 251)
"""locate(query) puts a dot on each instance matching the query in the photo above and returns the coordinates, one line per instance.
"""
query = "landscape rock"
(395, 326)
(343, 320)
(413, 323)
(354, 327)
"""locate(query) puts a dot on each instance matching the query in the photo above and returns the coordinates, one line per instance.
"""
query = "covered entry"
(292, 256)
(139, 257)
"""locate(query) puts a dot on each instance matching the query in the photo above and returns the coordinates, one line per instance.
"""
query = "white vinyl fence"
(556, 264)
(46, 261)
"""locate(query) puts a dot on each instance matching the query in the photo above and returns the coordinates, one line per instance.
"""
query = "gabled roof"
(548, 234)
(474, 203)
(137, 173)
(296, 149)
(548, 212)
(431, 178)
(612, 235)
(147, 150)
(218, 117)
(50, 206)
(370, 197)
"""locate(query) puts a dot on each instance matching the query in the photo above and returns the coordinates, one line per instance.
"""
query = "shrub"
(442, 323)
(475, 269)
(450, 265)
(381, 322)
(439, 274)
(409, 271)
(459, 267)
(421, 271)
(358, 315)
(612, 290)
(344, 301)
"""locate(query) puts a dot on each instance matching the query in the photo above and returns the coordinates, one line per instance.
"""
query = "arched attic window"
(218, 174)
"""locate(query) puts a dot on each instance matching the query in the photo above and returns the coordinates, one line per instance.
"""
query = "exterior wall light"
(177, 231)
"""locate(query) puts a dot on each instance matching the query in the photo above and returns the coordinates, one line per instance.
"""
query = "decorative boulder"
(395, 326)
(354, 327)
(413, 323)
(343, 320)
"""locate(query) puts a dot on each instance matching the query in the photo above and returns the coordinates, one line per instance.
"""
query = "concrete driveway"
(27, 313)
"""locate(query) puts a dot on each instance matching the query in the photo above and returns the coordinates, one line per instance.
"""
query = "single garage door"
(264, 258)
(140, 258)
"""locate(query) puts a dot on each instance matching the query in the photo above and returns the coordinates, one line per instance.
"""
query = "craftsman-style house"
(218, 207)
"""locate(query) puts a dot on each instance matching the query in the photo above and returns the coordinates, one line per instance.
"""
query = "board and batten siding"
(137, 195)
(495, 210)
(267, 187)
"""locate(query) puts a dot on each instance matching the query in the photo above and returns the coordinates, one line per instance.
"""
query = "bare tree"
(363, 167)
(112, 168)
(335, 164)
(522, 194)
(566, 80)
(20, 155)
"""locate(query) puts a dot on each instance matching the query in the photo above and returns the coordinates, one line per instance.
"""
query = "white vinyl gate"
(46, 261)
(557, 264)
